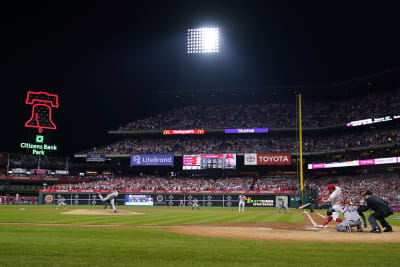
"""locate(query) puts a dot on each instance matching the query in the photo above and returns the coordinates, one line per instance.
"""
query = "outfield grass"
(76, 246)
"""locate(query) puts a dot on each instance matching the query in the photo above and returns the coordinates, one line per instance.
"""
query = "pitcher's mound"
(100, 212)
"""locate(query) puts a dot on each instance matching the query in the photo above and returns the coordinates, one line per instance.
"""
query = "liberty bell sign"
(42, 104)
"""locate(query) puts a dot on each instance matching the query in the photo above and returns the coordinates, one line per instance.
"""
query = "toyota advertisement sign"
(152, 160)
(268, 159)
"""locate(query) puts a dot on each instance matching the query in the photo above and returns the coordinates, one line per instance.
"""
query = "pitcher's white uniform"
(335, 199)
(242, 201)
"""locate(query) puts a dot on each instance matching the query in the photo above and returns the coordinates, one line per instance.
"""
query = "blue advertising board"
(152, 160)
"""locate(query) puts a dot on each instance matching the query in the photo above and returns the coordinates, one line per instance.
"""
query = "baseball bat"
(304, 206)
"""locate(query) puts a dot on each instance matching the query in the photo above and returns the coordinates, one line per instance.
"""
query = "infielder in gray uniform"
(195, 204)
(283, 206)
(61, 202)
(109, 199)
(351, 218)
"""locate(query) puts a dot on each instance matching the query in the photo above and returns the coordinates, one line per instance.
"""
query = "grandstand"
(330, 134)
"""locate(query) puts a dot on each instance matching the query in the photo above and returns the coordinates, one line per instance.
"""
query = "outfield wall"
(169, 199)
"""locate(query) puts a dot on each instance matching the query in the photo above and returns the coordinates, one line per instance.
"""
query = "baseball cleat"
(377, 230)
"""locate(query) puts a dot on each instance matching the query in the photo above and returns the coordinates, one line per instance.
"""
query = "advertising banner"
(268, 159)
(138, 200)
(194, 131)
(396, 208)
(152, 160)
(247, 130)
(95, 158)
(250, 159)
(65, 172)
(253, 192)
(91, 173)
(260, 201)
(166, 199)
(361, 162)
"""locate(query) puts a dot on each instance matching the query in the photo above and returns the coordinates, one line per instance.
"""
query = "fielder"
(195, 204)
(283, 206)
(334, 198)
(351, 218)
(242, 201)
(61, 202)
(110, 200)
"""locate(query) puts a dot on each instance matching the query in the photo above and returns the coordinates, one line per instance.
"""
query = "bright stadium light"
(203, 40)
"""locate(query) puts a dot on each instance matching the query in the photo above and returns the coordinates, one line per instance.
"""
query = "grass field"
(28, 245)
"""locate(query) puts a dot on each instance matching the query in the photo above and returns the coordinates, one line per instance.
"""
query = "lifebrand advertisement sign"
(152, 160)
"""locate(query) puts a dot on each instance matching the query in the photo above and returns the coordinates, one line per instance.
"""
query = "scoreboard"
(209, 161)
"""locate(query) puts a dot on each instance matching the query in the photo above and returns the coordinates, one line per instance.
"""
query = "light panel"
(203, 40)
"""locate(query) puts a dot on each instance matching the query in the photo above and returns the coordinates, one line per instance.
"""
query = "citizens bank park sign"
(268, 159)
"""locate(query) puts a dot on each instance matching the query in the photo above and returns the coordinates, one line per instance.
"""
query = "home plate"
(266, 228)
(313, 228)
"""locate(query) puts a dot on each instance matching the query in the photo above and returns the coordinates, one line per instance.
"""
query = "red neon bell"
(42, 103)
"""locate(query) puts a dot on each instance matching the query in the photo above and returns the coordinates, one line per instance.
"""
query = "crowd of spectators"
(172, 184)
(145, 146)
(271, 115)
(385, 186)
(263, 144)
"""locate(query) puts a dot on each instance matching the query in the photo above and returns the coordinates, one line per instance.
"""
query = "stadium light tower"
(203, 40)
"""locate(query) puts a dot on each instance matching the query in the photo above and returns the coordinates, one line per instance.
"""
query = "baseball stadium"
(229, 134)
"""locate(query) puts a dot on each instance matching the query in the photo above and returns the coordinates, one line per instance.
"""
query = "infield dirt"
(306, 232)
(100, 212)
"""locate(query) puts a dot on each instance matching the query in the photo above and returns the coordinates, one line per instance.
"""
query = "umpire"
(381, 211)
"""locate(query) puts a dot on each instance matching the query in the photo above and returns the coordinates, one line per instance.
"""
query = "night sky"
(104, 59)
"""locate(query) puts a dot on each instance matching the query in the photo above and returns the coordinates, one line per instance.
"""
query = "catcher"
(351, 218)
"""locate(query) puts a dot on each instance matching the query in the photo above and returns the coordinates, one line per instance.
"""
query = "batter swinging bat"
(304, 206)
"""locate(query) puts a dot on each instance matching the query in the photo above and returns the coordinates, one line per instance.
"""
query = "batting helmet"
(331, 187)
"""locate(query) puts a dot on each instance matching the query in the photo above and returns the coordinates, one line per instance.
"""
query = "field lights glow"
(203, 40)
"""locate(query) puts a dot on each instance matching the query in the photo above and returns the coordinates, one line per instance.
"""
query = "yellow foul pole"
(300, 150)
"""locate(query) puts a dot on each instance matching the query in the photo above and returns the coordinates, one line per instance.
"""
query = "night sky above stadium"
(104, 59)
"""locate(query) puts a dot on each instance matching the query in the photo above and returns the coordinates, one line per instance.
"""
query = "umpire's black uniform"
(382, 210)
